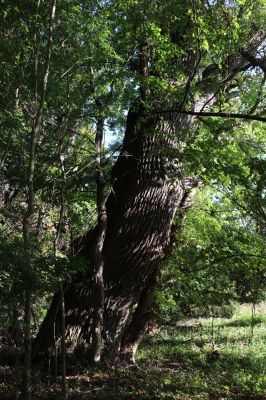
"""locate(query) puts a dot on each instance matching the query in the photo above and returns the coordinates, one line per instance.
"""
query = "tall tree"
(180, 60)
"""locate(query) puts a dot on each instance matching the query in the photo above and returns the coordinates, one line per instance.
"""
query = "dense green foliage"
(99, 51)
(220, 253)
(94, 72)
(219, 258)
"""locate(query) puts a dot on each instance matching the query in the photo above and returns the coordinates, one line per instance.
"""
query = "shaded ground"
(199, 359)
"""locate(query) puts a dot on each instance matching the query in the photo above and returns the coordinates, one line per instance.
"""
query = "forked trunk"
(147, 189)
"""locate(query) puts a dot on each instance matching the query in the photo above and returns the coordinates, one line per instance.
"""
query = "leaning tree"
(185, 58)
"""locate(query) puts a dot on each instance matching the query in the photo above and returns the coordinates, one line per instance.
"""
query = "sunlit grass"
(205, 359)
(214, 359)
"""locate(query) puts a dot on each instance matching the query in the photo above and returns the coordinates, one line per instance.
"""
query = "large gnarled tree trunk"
(147, 189)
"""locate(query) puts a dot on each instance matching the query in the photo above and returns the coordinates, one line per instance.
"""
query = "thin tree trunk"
(63, 156)
(27, 221)
(63, 343)
(97, 319)
(26, 388)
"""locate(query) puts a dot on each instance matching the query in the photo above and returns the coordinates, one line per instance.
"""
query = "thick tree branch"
(238, 62)
(216, 114)
(255, 62)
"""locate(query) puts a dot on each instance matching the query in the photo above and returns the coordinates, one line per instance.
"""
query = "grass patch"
(215, 359)
(207, 359)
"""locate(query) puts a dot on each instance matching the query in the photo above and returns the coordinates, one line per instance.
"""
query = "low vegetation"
(210, 358)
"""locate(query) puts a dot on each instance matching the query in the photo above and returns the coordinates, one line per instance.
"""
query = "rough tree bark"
(148, 187)
(137, 328)
(144, 313)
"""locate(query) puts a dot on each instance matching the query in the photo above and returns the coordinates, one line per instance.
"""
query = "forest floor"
(193, 360)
